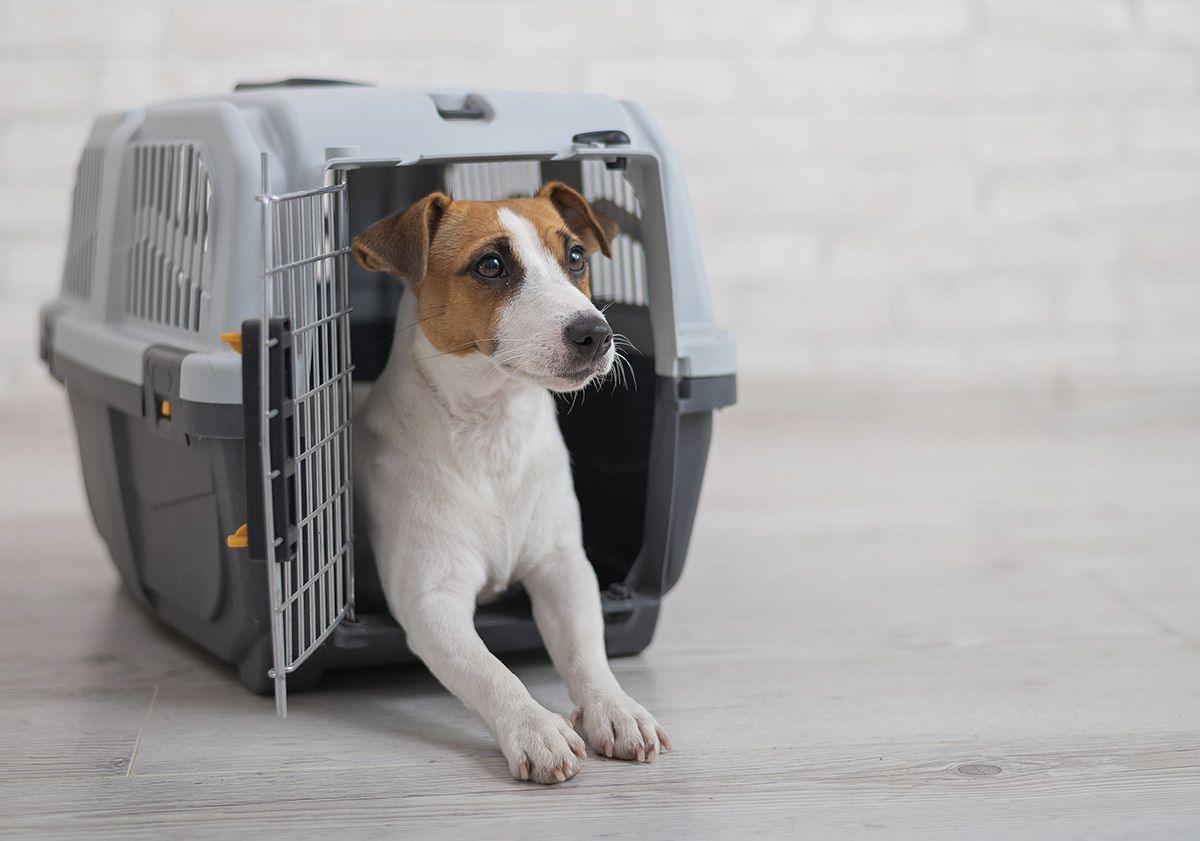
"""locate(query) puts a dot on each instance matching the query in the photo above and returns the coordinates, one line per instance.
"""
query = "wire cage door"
(304, 378)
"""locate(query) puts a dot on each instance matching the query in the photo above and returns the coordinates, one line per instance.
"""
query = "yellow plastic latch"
(240, 539)
(234, 340)
(165, 409)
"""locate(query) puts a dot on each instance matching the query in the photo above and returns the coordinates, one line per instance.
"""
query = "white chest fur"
(462, 470)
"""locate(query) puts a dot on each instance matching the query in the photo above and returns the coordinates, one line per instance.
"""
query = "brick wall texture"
(908, 189)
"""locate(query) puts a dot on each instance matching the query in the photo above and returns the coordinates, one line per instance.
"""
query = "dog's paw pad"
(621, 728)
(541, 747)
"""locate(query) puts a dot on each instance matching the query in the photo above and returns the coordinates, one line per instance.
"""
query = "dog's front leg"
(538, 744)
(566, 607)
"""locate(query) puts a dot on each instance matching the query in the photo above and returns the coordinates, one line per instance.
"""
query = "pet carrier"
(209, 314)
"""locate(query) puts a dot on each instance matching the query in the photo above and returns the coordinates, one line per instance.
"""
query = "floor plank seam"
(1141, 610)
(137, 742)
(20, 688)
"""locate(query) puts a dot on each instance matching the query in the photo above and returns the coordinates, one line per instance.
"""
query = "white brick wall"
(902, 188)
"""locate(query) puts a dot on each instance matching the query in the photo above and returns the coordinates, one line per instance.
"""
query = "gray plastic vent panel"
(493, 180)
(602, 185)
(622, 278)
(81, 244)
(172, 197)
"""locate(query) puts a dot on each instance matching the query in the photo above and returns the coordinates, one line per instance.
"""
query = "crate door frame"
(304, 384)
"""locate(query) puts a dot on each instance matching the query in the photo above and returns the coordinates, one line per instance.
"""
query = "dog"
(463, 472)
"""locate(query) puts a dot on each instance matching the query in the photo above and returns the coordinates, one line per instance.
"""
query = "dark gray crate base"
(376, 640)
(164, 507)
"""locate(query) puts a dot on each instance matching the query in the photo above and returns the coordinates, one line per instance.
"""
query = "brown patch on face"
(436, 241)
(429, 245)
(458, 312)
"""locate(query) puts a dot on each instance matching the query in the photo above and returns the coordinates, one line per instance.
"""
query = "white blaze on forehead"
(539, 263)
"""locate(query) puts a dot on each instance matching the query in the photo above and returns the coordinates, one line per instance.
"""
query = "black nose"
(589, 334)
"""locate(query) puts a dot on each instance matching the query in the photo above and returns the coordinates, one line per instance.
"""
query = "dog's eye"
(490, 267)
(576, 259)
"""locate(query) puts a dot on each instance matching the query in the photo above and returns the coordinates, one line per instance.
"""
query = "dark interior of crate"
(608, 432)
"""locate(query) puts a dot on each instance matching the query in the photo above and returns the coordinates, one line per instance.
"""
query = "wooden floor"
(933, 617)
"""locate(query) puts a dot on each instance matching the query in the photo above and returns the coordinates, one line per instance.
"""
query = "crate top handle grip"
(461, 106)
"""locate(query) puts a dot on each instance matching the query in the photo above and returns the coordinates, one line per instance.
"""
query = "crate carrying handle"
(467, 106)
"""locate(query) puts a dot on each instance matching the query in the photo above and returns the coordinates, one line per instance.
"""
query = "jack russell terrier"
(463, 472)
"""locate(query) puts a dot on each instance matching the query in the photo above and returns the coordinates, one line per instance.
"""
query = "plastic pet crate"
(213, 333)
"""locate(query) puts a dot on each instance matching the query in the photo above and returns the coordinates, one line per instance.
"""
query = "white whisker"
(621, 340)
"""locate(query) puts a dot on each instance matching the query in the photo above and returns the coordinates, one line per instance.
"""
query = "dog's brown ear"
(595, 231)
(399, 244)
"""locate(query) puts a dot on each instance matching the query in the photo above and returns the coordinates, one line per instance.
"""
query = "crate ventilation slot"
(172, 197)
(81, 245)
(623, 278)
(493, 180)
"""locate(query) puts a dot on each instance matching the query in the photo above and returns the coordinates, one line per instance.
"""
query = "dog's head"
(507, 279)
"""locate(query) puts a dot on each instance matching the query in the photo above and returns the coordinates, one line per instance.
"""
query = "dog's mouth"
(567, 379)
(583, 374)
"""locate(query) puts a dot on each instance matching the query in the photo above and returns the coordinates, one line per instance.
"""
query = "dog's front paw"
(542, 747)
(618, 726)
